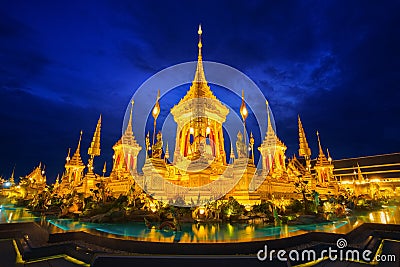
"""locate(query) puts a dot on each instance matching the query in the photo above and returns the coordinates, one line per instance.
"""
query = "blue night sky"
(336, 63)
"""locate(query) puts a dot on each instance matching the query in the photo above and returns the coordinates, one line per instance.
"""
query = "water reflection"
(10, 214)
(216, 232)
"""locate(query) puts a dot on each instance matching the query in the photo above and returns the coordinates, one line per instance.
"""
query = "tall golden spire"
(319, 145)
(104, 168)
(321, 160)
(269, 125)
(129, 126)
(304, 149)
(78, 148)
(76, 158)
(199, 77)
(199, 87)
(94, 149)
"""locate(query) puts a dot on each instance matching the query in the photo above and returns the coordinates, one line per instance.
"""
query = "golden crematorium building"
(200, 170)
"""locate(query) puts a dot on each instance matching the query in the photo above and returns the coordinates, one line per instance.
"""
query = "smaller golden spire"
(94, 149)
(78, 148)
(104, 168)
(329, 156)
(321, 160)
(199, 76)
(304, 149)
(68, 158)
(319, 145)
(251, 143)
(269, 127)
(76, 158)
(129, 126)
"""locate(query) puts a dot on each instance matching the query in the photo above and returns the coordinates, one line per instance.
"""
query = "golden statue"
(157, 147)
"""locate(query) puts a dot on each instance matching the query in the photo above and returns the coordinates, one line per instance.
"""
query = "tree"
(302, 187)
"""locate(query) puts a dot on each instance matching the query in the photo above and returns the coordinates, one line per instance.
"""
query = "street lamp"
(244, 112)
(155, 113)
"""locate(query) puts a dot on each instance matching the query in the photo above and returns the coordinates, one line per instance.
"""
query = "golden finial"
(243, 108)
(199, 75)
(129, 126)
(132, 103)
(79, 142)
(68, 156)
(156, 109)
(200, 44)
(329, 156)
(269, 123)
(104, 168)
(321, 152)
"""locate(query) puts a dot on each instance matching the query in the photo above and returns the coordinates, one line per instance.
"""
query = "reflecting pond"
(201, 232)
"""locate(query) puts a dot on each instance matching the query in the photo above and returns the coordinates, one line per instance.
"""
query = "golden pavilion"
(200, 170)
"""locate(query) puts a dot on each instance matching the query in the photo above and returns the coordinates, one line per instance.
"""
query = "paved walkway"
(29, 245)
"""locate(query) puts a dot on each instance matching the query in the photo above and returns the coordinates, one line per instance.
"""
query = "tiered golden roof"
(321, 160)
(199, 87)
(304, 149)
(76, 159)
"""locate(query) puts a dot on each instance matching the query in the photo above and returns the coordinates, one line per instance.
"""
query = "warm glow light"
(244, 111)
(202, 211)
(153, 207)
(155, 111)
(208, 130)
(191, 130)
